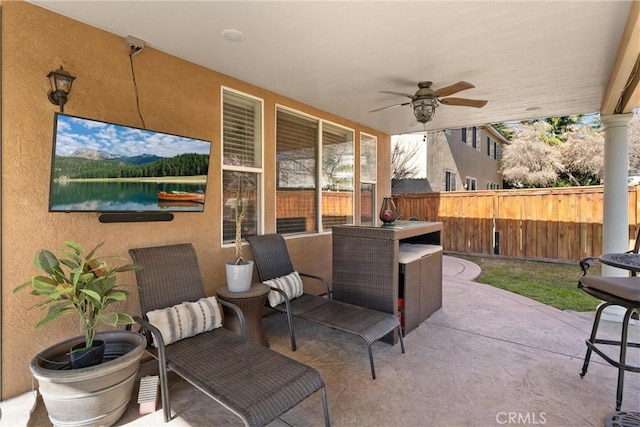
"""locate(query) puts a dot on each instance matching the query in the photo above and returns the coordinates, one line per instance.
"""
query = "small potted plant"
(84, 285)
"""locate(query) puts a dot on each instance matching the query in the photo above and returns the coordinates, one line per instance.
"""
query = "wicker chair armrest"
(324, 282)
(238, 312)
(585, 263)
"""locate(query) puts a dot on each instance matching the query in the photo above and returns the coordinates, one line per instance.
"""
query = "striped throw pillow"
(186, 319)
(291, 284)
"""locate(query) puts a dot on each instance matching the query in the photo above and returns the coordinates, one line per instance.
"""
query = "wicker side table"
(251, 303)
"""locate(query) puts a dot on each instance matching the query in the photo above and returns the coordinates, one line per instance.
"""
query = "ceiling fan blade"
(395, 93)
(390, 106)
(477, 103)
(454, 88)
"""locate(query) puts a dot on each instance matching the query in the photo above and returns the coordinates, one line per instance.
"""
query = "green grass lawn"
(554, 284)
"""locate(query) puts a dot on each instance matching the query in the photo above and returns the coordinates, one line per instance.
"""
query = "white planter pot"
(92, 396)
(239, 276)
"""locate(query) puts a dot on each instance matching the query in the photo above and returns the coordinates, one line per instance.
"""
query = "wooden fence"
(553, 224)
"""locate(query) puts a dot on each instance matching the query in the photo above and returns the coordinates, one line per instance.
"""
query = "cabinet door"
(430, 284)
(411, 295)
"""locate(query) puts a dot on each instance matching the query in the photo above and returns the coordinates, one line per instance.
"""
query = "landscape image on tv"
(105, 167)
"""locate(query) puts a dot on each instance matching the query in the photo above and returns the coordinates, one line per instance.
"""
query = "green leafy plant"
(78, 283)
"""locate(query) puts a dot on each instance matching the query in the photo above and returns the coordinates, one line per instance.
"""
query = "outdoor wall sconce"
(61, 82)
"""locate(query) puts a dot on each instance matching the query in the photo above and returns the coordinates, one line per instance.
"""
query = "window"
(296, 172)
(492, 186)
(474, 137)
(314, 170)
(496, 150)
(241, 163)
(337, 175)
(464, 135)
(449, 181)
(368, 172)
(489, 144)
(472, 184)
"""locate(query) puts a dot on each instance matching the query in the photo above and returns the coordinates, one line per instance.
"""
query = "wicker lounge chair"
(252, 381)
(273, 261)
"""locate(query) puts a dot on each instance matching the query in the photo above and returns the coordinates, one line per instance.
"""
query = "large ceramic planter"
(239, 276)
(93, 396)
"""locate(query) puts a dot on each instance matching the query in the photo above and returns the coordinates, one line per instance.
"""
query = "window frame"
(449, 180)
(258, 170)
(471, 182)
(474, 137)
(372, 182)
(320, 229)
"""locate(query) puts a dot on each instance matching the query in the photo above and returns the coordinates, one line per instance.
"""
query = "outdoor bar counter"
(380, 267)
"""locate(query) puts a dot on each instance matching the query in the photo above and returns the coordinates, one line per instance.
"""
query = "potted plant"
(84, 285)
(240, 270)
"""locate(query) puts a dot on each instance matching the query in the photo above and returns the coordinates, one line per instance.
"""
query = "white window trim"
(364, 181)
(374, 182)
(319, 171)
(321, 123)
(470, 179)
(223, 167)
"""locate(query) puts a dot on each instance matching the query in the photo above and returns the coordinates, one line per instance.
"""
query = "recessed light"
(233, 35)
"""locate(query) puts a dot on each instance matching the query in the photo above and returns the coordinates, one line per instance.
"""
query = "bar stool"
(620, 291)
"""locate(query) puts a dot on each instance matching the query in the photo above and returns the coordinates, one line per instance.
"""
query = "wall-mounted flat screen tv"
(106, 167)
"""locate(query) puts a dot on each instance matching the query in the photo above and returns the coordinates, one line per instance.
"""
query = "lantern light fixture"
(61, 82)
(424, 109)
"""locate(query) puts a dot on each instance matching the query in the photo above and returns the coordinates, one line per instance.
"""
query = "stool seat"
(619, 291)
(627, 288)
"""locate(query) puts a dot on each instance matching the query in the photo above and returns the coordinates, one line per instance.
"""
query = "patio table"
(627, 260)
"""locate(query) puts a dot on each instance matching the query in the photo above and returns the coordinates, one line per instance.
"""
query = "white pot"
(239, 276)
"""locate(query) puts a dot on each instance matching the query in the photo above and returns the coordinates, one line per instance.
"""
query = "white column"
(615, 227)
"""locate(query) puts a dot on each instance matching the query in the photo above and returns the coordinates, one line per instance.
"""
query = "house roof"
(529, 59)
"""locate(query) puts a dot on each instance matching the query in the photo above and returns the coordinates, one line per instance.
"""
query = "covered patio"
(488, 357)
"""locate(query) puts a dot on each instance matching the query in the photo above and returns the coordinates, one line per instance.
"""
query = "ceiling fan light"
(424, 110)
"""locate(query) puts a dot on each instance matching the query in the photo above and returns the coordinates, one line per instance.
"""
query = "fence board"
(557, 223)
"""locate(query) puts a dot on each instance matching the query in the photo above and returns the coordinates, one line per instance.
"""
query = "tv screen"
(105, 167)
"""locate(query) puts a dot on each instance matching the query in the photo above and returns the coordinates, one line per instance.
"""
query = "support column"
(615, 227)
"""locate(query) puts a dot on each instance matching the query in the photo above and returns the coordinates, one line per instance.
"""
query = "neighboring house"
(465, 159)
(410, 185)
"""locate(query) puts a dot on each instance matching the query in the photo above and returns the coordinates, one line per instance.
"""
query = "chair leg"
(400, 337)
(592, 338)
(373, 369)
(623, 357)
(325, 407)
(292, 335)
(164, 386)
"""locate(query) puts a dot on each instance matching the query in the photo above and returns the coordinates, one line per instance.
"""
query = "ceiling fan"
(425, 101)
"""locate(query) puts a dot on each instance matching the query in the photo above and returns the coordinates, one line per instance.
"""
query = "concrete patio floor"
(487, 358)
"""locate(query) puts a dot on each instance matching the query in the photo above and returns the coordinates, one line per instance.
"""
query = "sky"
(420, 160)
(74, 133)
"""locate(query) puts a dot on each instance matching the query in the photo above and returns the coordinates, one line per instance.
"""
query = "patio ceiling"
(528, 59)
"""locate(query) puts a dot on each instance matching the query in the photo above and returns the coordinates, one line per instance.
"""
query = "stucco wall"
(175, 97)
(449, 153)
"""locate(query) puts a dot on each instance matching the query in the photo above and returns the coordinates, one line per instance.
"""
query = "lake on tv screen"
(103, 196)
(103, 167)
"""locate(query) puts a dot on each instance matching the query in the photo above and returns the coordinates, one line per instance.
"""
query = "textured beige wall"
(176, 97)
